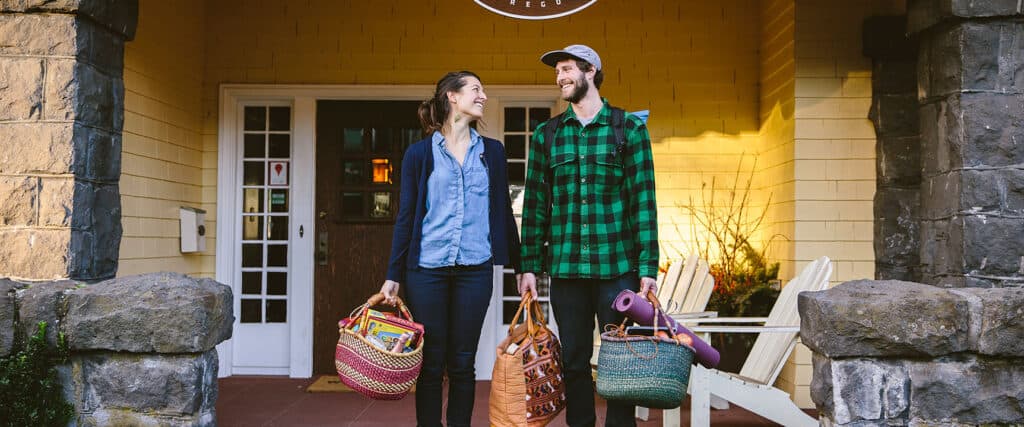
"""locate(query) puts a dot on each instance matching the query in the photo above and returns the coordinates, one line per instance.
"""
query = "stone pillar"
(891, 353)
(898, 150)
(971, 91)
(142, 347)
(61, 116)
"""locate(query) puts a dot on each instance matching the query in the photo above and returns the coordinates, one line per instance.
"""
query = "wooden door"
(359, 148)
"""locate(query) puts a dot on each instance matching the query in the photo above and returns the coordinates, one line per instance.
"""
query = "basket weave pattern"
(643, 371)
(370, 370)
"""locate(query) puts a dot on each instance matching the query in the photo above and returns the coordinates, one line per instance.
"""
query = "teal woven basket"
(643, 371)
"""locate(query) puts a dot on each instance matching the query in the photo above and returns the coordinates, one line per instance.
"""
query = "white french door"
(261, 335)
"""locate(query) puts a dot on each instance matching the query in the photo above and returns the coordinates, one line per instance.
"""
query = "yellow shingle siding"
(162, 161)
(833, 175)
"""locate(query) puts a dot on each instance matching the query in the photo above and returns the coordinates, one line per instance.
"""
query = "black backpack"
(618, 125)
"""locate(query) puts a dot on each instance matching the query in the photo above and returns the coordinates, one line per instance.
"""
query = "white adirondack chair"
(753, 388)
(684, 291)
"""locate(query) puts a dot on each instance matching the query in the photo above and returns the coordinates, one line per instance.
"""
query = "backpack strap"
(618, 126)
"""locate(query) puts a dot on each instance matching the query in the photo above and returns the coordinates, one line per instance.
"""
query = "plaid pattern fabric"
(593, 205)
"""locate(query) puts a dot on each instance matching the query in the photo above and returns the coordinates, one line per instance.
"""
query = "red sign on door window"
(278, 173)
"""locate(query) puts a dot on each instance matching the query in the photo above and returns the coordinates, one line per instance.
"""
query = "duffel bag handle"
(532, 317)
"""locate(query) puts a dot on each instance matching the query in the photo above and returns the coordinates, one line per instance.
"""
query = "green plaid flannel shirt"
(599, 214)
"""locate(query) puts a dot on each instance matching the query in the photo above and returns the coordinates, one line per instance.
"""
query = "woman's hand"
(390, 291)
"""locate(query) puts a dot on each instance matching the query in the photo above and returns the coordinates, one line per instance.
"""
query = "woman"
(454, 224)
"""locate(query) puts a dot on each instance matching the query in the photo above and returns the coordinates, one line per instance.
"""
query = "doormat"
(327, 384)
(332, 384)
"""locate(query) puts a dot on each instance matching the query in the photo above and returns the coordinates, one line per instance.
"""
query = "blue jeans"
(451, 303)
(575, 303)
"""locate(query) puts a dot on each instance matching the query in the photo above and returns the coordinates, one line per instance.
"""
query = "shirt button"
(581, 157)
(584, 180)
(584, 225)
(584, 201)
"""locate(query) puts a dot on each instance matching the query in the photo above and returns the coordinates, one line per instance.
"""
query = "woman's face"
(469, 100)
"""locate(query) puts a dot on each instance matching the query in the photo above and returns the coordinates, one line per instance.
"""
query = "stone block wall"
(142, 347)
(61, 114)
(903, 353)
(971, 91)
(898, 150)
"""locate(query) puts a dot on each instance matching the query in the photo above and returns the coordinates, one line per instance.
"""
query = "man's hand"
(527, 283)
(390, 291)
(648, 284)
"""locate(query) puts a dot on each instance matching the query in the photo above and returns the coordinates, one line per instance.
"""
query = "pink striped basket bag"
(367, 368)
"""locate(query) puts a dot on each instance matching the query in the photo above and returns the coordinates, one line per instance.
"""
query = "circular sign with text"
(535, 9)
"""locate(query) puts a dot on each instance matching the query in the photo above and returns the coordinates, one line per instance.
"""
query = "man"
(589, 220)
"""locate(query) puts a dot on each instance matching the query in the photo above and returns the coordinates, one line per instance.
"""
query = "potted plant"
(726, 226)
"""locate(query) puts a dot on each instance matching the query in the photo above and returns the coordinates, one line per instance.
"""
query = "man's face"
(571, 80)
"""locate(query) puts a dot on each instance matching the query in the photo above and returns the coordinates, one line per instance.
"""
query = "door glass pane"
(277, 255)
(508, 311)
(538, 116)
(277, 311)
(279, 200)
(253, 173)
(353, 140)
(280, 145)
(515, 119)
(252, 200)
(381, 169)
(277, 228)
(252, 282)
(381, 205)
(252, 228)
(355, 172)
(251, 311)
(508, 286)
(382, 139)
(277, 283)
(515, 146)
(255, 118)
(252, 255)
(254, 145)
(517, 173)
(280, 118)
(409, 136)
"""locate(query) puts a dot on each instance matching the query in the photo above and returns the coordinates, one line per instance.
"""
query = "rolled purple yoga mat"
(640, 310)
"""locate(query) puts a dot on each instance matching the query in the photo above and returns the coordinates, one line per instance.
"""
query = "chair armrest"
(726, 320)
(694, 315)
(745, 329)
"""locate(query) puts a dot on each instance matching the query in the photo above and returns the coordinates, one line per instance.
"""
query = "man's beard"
(580, 90)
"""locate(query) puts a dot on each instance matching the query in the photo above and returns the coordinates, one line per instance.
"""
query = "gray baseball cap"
(577, 51)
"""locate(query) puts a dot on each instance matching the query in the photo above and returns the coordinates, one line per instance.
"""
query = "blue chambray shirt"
(456, 226)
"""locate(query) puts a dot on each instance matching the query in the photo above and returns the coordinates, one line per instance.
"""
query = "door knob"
(322, 214)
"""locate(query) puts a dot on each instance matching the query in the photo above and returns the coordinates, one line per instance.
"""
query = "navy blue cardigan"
(417, 164)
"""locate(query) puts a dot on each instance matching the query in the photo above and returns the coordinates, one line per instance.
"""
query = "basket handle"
(377, 298)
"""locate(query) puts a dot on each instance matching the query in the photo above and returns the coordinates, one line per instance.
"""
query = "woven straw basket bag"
(373, 372)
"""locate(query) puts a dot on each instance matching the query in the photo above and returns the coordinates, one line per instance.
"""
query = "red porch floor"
(276, 401)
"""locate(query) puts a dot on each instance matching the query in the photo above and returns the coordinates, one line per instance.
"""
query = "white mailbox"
(193, 229)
